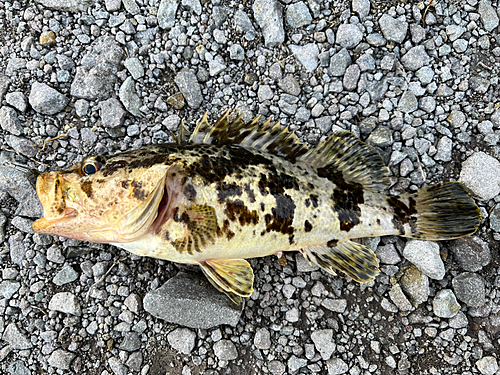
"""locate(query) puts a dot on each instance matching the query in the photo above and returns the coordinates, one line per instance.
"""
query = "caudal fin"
(440, 212)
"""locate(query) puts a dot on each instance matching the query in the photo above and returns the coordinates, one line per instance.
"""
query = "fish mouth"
(44, 225)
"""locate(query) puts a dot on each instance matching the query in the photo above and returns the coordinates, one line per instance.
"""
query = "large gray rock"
(189, 87)
(481, 175)
(190, 300)
(269, 17)
(96, 76)
(46, 100)
(67, 5)
(339, 63)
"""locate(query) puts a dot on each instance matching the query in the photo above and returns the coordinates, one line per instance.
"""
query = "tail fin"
(442, 212)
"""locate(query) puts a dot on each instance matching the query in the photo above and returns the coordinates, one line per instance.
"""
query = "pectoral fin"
(354, 259)
(233, 277)
(201, 225)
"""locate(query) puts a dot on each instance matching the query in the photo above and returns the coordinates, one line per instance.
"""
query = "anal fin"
(234, 277)
(201, 225)
(354, 259)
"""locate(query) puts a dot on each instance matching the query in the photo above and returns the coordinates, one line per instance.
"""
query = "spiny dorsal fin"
(344, 152)
(184, 134)
(234, 131)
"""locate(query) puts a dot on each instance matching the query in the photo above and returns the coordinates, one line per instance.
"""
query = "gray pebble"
(129, 98)
(225, 350)
(399, 299)
(166, 13)
(289, 85)
(182, 340)
(323, 342)
(17, 249)
(415, 284)
(336, 366)
(487, 365)
(388, 254)
(67, 5)
(445, 304)
(339, 63)
(8, 288)
(348, 35)
(244, 25)
(335, 305)
(366, 62)
(269, 17)
(302, 114)
(469, 288)
(262, 339)
(95, 77)
(393, 29)
(61, 359)
(65, 276)
(18, 368)
(488, 15)
(264, 93)
(481, 175)
(193, 5)
(415, 58)
(351, 77)
(46, 100)
(380, 137)
(17, 100)
(471, 253)
(307, 55)
(362, 7)
(295, 363)
(81, 107)
(117, 366)
(134, 66)
(65, 302)
(9, 121)
(425, 256)
(297, 15)
(444, 148)
(236, 52)
(112, 113)
(408, 102)
(188, 85)
(16, 339)
(216, 66)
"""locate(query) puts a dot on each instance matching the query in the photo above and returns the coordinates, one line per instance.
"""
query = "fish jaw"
(70, 213)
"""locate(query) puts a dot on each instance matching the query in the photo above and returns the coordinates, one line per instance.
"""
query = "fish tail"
(439, 212)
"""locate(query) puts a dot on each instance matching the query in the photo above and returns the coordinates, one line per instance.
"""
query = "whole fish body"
(237, 190)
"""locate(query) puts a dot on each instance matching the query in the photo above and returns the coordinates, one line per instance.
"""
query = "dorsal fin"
(234, 131)
(344, 152)
(184, 134)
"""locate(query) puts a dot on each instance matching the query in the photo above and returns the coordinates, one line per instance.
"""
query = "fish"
(237, 190)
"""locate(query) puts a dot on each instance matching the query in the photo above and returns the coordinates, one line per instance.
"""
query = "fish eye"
(91, 166)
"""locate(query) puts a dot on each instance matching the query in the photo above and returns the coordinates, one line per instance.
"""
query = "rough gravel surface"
(417, 80)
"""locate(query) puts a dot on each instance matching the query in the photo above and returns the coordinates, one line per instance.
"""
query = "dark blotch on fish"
(238, 211)
(307, 226)
(228, 190)
(346, 198)
(86, 187)
(282, 218)
(189, 192)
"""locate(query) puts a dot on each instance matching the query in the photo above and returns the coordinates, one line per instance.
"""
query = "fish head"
(103, 199)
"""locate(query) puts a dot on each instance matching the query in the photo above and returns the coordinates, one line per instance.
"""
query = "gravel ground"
(419, 81)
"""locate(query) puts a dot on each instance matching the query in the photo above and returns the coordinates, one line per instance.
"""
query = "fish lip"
(41, 225)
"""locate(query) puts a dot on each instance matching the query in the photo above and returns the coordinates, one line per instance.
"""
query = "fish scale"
(234, 190)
